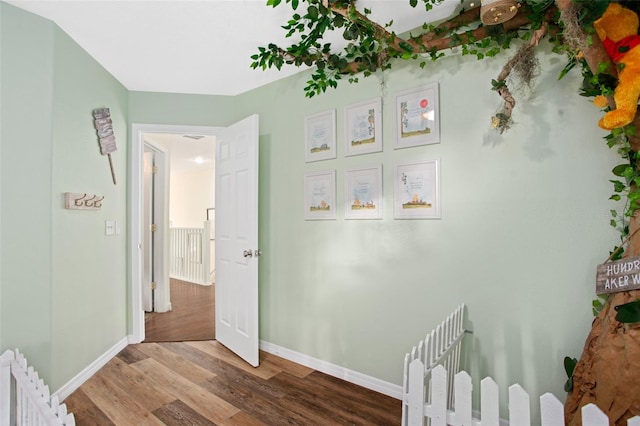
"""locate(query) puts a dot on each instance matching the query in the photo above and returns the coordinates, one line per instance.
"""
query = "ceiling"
(187, 153)
(196, 47)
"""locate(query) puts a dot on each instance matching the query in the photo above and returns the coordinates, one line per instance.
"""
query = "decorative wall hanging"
(104, 127)
(363, 127)
(74, 201)
(417, 117)
(320, 195)
(363, 193)
(320, 136)
(417, 190)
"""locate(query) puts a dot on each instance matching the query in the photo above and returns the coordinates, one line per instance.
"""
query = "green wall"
(178, 109)
(89, 269)
(25, 178)
(63, 282)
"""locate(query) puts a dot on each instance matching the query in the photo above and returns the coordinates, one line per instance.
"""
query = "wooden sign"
(621, 275)
(104, 127)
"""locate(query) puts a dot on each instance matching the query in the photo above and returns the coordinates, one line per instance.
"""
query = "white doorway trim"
(136, 146)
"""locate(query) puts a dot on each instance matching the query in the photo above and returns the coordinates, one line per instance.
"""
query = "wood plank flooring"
(192, 316)
(203, 383)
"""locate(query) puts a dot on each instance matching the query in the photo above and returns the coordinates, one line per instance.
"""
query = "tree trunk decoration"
(608, 372)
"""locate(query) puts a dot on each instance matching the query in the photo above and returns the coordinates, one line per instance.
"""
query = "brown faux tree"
(608, 372)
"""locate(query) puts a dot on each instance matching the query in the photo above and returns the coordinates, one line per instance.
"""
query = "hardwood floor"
(192, 316)
(180, 376)
(203, 383)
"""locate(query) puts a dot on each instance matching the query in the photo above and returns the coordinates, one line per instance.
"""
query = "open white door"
(147, 212)
(236, 225)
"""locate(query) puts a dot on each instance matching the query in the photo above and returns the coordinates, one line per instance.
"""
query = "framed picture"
(320, 195)
(320, 136)
(363, 127)
(363, 193)
(417, 117)
(417, 190)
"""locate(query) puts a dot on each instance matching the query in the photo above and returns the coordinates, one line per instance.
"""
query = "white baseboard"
(386, 388)
(73, 384)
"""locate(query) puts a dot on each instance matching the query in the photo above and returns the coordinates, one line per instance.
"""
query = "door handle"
(251, 253)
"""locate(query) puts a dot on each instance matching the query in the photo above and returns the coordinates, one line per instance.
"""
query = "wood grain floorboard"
(180, 413)
(200, 383)
(192, 315)
(176, 363)
(242, 419)
(207, 404)
(86, 411)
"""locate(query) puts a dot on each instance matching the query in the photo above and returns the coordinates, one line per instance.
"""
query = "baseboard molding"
(73, 384)
(351, 376)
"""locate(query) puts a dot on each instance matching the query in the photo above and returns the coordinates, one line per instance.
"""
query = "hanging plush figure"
(618, 30)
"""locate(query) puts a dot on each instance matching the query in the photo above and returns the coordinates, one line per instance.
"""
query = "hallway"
(192, 316)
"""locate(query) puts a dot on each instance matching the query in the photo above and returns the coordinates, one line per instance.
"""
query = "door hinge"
(153, 227)
(153, 285)
(154, 169)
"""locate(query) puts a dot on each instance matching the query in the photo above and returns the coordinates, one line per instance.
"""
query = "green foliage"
(569, 367)
(590, 10)
(371, 47)
(428, 4)
(487, 47)
(498, 84)
(628, 312)
(598, 304)
(601, 83)
(627, 185)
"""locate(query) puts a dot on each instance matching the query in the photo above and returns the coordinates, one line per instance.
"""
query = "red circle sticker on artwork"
(423, 103)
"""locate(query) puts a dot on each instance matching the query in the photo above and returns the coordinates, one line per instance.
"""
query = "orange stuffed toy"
(618, 30)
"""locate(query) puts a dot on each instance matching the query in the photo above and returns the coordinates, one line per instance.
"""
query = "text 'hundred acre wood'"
(621, 275)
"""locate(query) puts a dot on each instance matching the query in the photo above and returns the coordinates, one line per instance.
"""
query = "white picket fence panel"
(421, 408)
(190, 254)
(440, 347)
(25, 399)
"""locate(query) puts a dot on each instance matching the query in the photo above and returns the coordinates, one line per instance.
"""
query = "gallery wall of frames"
(416, 185)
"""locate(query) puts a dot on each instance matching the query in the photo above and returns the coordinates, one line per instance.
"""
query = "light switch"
(110, 227)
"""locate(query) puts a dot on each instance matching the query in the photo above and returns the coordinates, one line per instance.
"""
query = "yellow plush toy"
(618, 30)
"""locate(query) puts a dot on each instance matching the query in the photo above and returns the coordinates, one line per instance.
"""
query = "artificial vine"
(371, 46)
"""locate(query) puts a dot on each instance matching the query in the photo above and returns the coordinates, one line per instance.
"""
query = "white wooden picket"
(440, 347)
(24, 398)
(190, 254)
(422, 408)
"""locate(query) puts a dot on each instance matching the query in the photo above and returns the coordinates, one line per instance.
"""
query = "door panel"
(147, 245)
(237, 239)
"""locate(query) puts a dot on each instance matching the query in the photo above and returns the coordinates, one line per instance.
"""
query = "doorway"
(137, 228)
(189, 174)
(237, 251)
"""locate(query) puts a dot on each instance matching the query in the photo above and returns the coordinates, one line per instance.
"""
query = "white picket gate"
(24, 398)
(190, 254)
(440, 347)
(420, 407)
